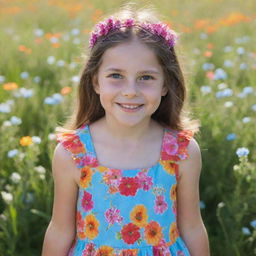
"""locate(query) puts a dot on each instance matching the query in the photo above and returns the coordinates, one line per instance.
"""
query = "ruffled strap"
(73, 143)
(175, 145)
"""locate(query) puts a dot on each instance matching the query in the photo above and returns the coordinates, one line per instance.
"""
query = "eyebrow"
(141, 72)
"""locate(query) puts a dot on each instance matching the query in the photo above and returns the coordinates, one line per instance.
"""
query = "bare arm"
(189, 220)
(61, 230)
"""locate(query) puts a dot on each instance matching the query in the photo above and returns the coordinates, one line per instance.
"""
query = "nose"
(130, 89)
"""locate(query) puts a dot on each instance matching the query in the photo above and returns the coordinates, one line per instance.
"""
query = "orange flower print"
(169, 166)
(86, 177)
(153, 233)
(139, 215)
(91, 226)
(80, 226)
(130, 233)
(104, 251)
(129, 252)
(174, 233)
(173, 192)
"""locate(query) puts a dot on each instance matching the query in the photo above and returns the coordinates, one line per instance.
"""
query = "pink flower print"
(113, 177)
(160, 205)
(170, 147)
(145, 181)
(180, 253)
(87, 202)
(162, 249)
(88, 159)
(112, 216)
(89, 250)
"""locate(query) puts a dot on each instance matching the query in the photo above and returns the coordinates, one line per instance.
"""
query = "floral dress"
(127, 212)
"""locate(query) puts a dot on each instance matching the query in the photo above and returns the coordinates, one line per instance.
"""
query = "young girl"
(127, 173)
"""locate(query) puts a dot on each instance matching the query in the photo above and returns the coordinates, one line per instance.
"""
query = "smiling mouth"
(130, 106)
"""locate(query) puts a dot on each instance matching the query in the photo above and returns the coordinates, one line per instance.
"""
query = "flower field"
(43, 45)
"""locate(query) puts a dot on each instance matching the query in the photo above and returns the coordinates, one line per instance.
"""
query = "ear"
(164, 90)
(95, 84)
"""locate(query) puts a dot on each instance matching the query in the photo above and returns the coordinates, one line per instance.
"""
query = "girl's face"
(130, 83)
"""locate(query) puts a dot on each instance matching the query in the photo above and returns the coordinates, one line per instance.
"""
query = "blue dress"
(127, 212)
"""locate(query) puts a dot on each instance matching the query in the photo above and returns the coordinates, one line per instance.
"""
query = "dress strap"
(175, 145)
(77, 143)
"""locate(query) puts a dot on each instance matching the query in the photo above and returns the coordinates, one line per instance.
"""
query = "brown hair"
(170, 112)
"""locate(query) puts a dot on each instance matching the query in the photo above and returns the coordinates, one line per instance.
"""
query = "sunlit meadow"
(42, 48)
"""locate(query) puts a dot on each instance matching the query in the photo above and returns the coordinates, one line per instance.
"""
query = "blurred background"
(42, 50)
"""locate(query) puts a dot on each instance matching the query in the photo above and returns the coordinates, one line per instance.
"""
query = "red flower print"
(80, 226)
(145, 181)
(71, 142)
(128, 186)
(87, 202)
(130, 233)
(160, 205)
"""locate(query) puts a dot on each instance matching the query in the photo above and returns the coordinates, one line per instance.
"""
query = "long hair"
(170, 112)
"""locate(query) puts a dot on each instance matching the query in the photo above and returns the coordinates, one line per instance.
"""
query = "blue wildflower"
(240, 50)
(12, 153)
(243, 66)
(224, 93)
(228, 63)
(248, 90)
(5, 108)
(208, 66)
(253, 223)
(24, 75)
(231, 136)
(242, 151)
(2, 79)
(205, 89)
(50, 60)
(220, 74)
(246, 231)
(75, 31)
(253, 107)
(15, 120)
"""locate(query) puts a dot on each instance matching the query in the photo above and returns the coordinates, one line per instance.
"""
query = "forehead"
(132, 55)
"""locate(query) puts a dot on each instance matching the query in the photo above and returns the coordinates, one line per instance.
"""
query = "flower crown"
(159, 29)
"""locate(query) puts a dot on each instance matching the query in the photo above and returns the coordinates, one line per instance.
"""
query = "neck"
(127, 133)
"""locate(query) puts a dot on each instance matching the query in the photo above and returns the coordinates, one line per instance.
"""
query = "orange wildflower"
(234, 18)
(66, 90)
(26, 141)
(201, 24)
(91, 226)
(208, 54)
(105, 250)
(56, 45)
(96, 15)
(10, 86)
(153, 233)
(139, 215)
(210, 46)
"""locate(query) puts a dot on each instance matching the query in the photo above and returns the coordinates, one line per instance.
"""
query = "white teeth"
(129, 106)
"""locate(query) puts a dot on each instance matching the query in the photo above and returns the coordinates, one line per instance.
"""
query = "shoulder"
(63, 166)
(191, 166)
